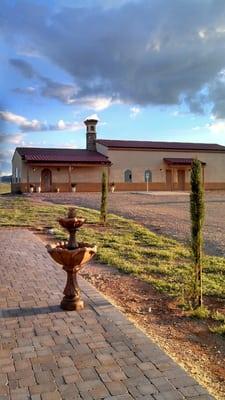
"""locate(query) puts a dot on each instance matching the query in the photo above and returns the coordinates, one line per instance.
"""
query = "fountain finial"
(72, 212)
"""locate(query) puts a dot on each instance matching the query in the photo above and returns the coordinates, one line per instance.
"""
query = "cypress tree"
(103, 210)
(197, 209)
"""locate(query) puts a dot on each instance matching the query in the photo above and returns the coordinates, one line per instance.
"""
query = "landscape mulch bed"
(187, 340)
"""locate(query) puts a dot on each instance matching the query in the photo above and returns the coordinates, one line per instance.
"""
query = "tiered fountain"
(72, 255)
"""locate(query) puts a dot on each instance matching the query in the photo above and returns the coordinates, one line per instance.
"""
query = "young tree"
(103, 210)
(197, 208)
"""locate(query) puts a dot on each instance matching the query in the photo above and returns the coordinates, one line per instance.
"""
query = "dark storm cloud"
(47, 87)
(60, 91)
(217, 97)
(24, 67)
(145, 52)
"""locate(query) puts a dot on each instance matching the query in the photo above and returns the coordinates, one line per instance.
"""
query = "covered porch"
(57, 170)
(178, 173)
(44, 178)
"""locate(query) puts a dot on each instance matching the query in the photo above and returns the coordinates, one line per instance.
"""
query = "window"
(92, 128)
(128, 175)
(16, 175)
(148, 175)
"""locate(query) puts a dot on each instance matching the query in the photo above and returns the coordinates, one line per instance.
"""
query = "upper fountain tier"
(72, 223)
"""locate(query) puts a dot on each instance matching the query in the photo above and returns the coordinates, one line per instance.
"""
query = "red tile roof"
(179, 161)
(133, 144)
(37, 155)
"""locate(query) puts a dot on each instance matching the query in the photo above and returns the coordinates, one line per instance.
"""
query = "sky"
(150, 70)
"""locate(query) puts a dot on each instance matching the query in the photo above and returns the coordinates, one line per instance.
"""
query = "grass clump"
(220, 329)
(201, 312)
(218, 316)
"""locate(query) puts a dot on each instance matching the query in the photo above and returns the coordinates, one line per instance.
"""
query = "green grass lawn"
(124, 244)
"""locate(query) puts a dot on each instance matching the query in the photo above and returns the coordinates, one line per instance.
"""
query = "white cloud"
(217, 127)
(134, 111)
(61, 125)
(27, 125)
(23, 123)
(202, 34)
(94, 103)
(11, 139)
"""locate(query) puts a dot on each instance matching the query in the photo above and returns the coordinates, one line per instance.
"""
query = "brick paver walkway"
(50, 354)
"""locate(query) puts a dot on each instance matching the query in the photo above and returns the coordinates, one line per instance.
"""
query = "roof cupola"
(91, 123)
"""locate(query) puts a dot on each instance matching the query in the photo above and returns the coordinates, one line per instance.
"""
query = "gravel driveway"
(165, 213)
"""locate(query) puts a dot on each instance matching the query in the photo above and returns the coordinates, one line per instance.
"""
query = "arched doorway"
(46, 180)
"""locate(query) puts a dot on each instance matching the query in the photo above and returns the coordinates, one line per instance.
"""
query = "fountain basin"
(72, 259)
(71, 223)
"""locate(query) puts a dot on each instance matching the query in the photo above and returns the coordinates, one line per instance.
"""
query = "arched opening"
(46, 180)
(148, 175)
(128, 175)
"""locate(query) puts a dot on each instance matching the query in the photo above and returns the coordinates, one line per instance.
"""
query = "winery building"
(130, 165)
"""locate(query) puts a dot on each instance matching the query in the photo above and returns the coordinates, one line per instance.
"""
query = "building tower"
(91, 123)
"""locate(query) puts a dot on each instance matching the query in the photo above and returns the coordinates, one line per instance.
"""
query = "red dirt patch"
(187, 340)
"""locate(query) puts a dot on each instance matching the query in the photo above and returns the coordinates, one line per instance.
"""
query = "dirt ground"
(163, 213)
(186, 340)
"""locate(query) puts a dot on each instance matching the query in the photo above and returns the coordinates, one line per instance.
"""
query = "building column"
(69, 176)
(174, 178)
(28, 179)
(108, 170)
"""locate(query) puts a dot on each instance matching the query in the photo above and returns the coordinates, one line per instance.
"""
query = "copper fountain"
(72, 255)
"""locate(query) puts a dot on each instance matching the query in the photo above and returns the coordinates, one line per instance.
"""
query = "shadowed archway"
(46, 180)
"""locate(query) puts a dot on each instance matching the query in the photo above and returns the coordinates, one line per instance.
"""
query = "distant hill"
(6, 178)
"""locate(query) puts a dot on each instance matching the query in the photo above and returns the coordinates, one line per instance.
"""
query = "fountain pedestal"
(72, 256)
(72, 299)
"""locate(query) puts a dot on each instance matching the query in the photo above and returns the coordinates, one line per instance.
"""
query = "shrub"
(103, 209)
(197, 219)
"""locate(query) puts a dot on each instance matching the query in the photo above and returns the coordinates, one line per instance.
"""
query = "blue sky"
(150, 70)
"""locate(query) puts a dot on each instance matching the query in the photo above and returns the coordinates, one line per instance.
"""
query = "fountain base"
(71, 304)
(72, 299)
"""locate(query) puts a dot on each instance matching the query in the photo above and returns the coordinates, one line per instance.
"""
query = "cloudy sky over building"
(150, 69)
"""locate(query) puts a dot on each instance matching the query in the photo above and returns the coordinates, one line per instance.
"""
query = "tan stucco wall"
(19, 164)
(61, 174)
(102, 149)
(139, 161)
(87, 174)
